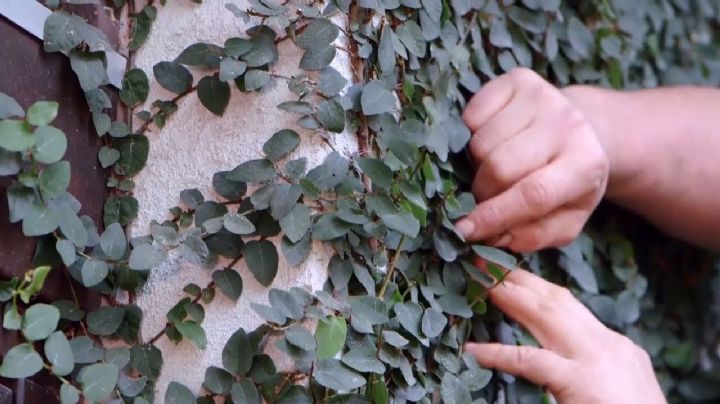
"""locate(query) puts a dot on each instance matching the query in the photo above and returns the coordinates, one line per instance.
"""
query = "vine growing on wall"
(402, 294)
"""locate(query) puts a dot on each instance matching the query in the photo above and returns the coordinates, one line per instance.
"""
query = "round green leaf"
(98, 380)
(39, 321)
(42, 113)
(113, 242)
(281, 144)
(135, 87)
(54, 179)
(59, 354)
(21, 361)
(262, 260)
(229, 282)
(173, 77)
(105, 320)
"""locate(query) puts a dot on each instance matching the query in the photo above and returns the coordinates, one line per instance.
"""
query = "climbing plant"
(402, 294)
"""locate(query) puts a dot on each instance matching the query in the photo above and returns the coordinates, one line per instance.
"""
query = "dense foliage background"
(402, 295)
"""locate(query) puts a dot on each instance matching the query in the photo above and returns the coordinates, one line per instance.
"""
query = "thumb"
(540, 366)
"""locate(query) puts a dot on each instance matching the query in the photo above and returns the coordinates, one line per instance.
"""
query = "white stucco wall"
(192, 146)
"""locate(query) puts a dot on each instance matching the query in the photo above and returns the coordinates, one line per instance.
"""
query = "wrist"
(606, 111)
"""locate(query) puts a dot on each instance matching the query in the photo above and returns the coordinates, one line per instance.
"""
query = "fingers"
(537, 365)
(556, 229)
(489, 100)
(532, 197)
(511, 161)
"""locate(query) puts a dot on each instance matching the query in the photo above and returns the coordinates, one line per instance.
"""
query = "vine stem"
(391, 268)
(175, 99)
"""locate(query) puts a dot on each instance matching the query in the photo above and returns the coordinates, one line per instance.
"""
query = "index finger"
(488, 101)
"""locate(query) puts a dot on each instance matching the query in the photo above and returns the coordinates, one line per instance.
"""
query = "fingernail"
(465, 227)
(504, 240)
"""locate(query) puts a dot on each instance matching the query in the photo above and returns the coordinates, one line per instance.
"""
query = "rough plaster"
(192, 146)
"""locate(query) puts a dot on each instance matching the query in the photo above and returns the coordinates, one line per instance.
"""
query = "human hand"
(582, 360)
(542, 170)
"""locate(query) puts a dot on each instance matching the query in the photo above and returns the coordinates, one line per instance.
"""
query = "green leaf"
(113, 242)
(135, 87)
(228, 189)
(192, 331)
(98, 381)
(263, 51)
(173, 77)
(456, 305)
(253, 171)
(319, 32)
(229, 282)
(269, 314)
(15, 136)
(89, 68)
(300, 337)
(50, 144)
(218, 380)
(380, 174)
(39, 321)
(201, 54)
(376, 99)
(39, 275)
(331, 116)
(237, 355)
(330, 173)
(453, 391)
(245, 392)
(69, 310)
(410, 316)
(296, 223)
(286, 303)
(332, 374)
(93, 271)
(580, 37)
(42, 113)
(54, 179)
(177, 393)
(394, 338)
(296, 253)
(141, 26)
(298, 107)
(9, 108)
(146, 256)
(214, 94)
(236, 47)
(369, 308)
(281, 144)
(262, 260)
(410, 34)
(58, 353)
(317, 57)
(69, 394)
(84, 350)
(38, 220)
(330, 335)
(256, 79)
(131, 387)
(329, 227)
(238, 224)
(433, 323)
(402, 222)
(21, 361)
(231, 68)
(120, 209)
(192, 198)
(147, 360)
(11, 318)
(133, 154)
(330, 82)
(105, 320)
(496, 256)
(63, 32)
(363, 360)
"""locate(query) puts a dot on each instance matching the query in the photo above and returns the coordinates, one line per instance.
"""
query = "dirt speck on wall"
(192, 146)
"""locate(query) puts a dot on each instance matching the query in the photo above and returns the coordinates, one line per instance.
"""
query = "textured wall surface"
(192, 146)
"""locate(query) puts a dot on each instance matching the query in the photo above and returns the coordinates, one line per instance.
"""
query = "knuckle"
(500, 168)
(523, 76)
(537, 192)
(479, 147)
(528, 240)
(489, 217)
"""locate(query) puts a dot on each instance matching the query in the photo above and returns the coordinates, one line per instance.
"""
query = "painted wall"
(192, 146)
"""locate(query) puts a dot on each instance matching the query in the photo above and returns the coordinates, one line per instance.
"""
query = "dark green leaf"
(318, 57)
(331, 115)
(245, 392)
(376, 99)
(177, 393)
(261, 170)
(173, 77)
(147, 360)
(120, 209)
(300, 337)
(332, 374)
(135, 87)
(262, 260)
(237, 355)
(133, 154)
(229, 282)
(89, 68)
(231, 68)
(281, 144)
(453, 391)
(363, 360)
(105, 320)
(201, 54)
(218, 380)
(433, 323)
(214, 94)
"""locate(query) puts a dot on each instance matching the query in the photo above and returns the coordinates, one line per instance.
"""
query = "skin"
(545, 158)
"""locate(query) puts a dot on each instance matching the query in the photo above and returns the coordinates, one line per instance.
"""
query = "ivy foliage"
(402, 294)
